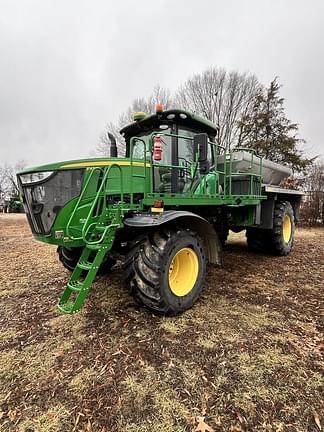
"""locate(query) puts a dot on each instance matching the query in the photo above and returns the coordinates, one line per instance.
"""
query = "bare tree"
(11, 173)
(312, 210)
(8, 180)
(222, 97)
(103, 147)
(3, 184)
(147, 105)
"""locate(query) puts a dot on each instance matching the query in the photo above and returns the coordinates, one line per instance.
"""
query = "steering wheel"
(185, 171)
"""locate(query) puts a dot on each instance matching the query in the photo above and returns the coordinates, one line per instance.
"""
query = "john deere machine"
(164, 210)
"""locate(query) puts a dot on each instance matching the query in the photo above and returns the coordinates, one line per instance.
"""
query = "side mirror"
(200, 146)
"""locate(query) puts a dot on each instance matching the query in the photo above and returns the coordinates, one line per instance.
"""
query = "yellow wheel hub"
(286, 228)
(183, 272)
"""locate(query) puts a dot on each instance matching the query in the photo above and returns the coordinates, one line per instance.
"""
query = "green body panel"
(74, 164)
(135, 178)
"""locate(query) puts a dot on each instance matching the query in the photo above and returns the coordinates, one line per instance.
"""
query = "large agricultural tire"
(128, 267)
(69, 257)
(280, 239)
(167, 271)
(282, 235)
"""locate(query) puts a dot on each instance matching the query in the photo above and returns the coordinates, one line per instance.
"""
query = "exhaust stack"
(113, 145)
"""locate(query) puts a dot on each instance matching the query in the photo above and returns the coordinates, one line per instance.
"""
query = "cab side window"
(186, 157)
(185, 146)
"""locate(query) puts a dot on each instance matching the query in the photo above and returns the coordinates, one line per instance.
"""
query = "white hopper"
(272, 173)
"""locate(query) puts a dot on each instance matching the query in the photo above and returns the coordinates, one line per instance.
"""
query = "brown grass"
(247, 357)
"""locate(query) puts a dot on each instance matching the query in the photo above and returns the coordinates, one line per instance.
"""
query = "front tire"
(69, 257)
(169, 269)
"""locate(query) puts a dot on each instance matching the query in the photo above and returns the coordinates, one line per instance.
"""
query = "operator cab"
(166, 140)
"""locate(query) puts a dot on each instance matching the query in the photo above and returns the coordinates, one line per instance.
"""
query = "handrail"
(86, 229)
(94, 203)
(102, 235)
(92, 170)
(248, 149)
(216, 150)
(103, 186)
(177, 167)
(120, 177)
(228, 168)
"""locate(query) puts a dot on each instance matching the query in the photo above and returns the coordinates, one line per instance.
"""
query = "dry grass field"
(247, 357)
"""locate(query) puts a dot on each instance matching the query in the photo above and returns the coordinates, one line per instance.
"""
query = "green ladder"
(86, 269)
(98, 237)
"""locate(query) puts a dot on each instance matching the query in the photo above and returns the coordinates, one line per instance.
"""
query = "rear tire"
(168, 271)
(282, 235)
(280, 239)
(69, 257)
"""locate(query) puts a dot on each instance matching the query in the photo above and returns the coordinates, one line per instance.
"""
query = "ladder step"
(100, 228)
(91, 258)
(75, 286)
(66, 308)
(94, 247)
(85, 265)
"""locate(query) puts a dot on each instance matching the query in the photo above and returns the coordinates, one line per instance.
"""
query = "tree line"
(312, 208)
(9, 191)
(248, 114)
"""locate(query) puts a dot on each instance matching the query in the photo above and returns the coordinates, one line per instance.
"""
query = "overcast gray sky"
(68, 67)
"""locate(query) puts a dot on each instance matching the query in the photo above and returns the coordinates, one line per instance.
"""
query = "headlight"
(35, 177)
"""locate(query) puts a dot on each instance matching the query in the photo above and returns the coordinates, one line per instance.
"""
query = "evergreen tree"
(270, 132)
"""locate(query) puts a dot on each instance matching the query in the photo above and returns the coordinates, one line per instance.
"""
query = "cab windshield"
(142, 142)
(174, 171)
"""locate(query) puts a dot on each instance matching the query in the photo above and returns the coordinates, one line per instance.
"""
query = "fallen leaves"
(317, 420)
(202, 426)
(174, 373)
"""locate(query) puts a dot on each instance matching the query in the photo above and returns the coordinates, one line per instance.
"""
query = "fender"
(185, 219)
(275, 193)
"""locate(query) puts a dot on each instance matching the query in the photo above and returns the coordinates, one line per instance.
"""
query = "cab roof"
(178, 116)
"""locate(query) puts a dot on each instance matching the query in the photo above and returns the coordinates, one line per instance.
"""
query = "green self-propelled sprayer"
(163, 211)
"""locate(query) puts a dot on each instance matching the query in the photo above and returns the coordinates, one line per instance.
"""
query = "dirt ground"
(247, 357)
